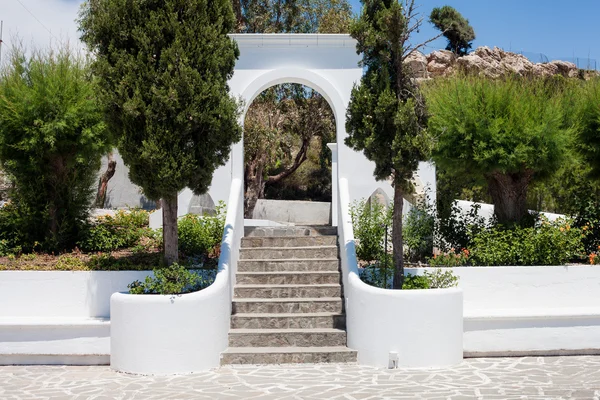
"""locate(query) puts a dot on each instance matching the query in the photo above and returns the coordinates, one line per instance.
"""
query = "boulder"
(417, 62)
(566, 69)
(440, 62)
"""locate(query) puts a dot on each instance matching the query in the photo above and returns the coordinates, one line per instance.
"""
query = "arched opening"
(286, 130)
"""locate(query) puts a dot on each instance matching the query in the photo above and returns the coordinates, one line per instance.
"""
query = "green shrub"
(52, 137)
(451, 259)
(370, 221)
(416, 282)
(123, 230)
(547, 243)
(175, 279)
(436, 279)
(202, 235)
(458, 229)
(417, 232)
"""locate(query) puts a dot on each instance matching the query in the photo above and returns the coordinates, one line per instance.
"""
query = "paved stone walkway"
(484, 378)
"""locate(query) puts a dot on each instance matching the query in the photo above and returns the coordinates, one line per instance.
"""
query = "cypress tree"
(386, 117)
(163, 67)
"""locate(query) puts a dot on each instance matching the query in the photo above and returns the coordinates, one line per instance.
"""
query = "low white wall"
(423, 327)
(176, 334)
(79, 294)
(292, 211)
(542, 310)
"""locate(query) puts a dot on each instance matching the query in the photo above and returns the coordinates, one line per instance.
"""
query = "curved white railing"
(173, 334)
(408, 328)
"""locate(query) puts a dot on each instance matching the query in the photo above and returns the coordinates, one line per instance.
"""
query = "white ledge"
(293, 40)
(533, 313)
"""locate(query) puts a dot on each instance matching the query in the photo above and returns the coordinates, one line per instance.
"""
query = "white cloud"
(56, 16)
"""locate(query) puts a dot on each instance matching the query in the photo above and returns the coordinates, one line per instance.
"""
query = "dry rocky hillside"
(489, 62)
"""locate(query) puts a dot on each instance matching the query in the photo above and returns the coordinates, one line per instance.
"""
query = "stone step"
(288, 278)
(317, 230)
(301, 305)
(287, 291)
(288, 321)
(285, 265)
(287, 355)
(316, 337)
(289, 241)
(315, 252)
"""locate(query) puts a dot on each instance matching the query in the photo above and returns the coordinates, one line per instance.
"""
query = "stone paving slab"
(483, 378)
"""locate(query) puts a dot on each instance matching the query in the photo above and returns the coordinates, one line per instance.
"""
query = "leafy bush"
(175, 279)
(202, 235)
(458, 230)
(52, 136)
(123, 230)
(451, 259)
(436, 279)
(417, 232)
(370, 221)
(547, 243)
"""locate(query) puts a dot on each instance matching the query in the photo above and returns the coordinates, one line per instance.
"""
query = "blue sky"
(556, 28)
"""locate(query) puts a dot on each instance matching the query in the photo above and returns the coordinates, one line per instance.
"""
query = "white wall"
(75, 294)
(423, 327)
(176, 334)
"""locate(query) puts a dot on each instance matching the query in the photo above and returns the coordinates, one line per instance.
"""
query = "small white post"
(334, 183)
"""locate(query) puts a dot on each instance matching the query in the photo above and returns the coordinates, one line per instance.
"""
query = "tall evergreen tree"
(163, 67)
(386, 117)
(455, 28)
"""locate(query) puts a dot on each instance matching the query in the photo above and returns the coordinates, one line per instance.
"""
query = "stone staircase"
(287, 305)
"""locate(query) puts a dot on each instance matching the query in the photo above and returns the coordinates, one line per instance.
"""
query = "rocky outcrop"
(488, 62)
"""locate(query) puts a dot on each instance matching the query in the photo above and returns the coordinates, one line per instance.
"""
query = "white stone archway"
(327, 64)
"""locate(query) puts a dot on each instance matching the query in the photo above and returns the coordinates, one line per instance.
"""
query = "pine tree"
(386, 117)
(163, 67)
(455, 28)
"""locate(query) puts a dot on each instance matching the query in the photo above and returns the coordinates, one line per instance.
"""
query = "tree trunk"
(397, 241)
(255, 186)
(509, 195)
(103, 183)
(169, 207)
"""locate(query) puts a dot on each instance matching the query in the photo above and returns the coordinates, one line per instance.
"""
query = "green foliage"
(509, 132)
(588, 117)
(307, 16)
(202, 235)
(386, 116)
(418, 231)
(441, 278)
(455, 28)
(163, 67)
(174, 279)
(547, 243)
(52, 137)
(416, 282)
(457, 230)
(123, 230)
(451, 259)
(370, 221)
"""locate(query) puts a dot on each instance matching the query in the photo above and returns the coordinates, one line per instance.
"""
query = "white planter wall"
(424, 328)
(178, 334)
(62, 294)
(541, 310)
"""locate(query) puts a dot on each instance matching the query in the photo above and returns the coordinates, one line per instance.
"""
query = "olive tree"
(163, 67)
(507, 132)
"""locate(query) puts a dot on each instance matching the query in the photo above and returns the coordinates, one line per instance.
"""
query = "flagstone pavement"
(483, 378)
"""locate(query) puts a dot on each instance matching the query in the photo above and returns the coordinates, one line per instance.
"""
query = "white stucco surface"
(423, 327)
(62, 294)
(178, 334)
